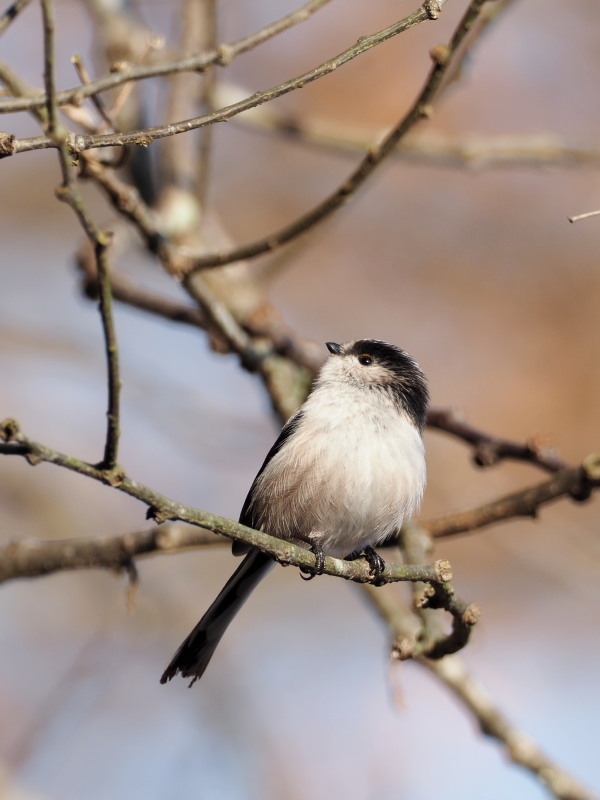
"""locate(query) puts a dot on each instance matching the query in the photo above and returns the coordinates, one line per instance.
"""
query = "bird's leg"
(308, 573)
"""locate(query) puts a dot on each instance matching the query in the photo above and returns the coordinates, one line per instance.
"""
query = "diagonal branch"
(11, 13)
(80, 142)
(451, 671)
(519, 747)
(162, 508)
(222, 55)
(574, 482)
(422, 108)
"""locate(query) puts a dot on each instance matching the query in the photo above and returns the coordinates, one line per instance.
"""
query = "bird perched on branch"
(347, 469)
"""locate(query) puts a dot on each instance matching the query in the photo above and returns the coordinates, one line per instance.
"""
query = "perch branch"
(161, 509)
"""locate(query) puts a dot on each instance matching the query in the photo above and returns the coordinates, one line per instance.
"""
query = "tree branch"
(444, 59)
(519, 747)
(11, 13)
(452, 672)
(69, 194)
(162, 508)
(26, 558)
(574, 482)
(471, 150)
(488, 449)
(222, 55)
(79, 142)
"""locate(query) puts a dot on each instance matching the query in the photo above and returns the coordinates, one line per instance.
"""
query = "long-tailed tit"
(347, 469)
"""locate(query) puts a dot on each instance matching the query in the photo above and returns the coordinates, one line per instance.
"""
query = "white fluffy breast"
(349, 474)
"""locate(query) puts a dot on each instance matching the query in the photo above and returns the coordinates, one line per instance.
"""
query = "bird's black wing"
(247, 516)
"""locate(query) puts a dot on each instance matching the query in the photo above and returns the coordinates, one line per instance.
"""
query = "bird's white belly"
(346, 485)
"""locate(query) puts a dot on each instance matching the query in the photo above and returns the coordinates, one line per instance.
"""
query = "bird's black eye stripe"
(365, 359)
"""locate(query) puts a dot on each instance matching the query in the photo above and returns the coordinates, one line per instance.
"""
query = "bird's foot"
(308, 573)
(374, 560)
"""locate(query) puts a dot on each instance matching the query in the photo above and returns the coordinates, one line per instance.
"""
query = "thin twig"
(209, 26)
(20, 88)
(69, 194)
(80, 142)
(222, 55)
(587, 215)
(421, 109)
(112, 355)
(11, 13)
(488, 449)
(180, 158)
(475, 151)
(49, 82)
(83, 74)
(126, 291)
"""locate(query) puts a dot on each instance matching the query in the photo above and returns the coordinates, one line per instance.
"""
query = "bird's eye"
(365, 359)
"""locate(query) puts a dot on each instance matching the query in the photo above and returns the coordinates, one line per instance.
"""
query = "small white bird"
(347, 469)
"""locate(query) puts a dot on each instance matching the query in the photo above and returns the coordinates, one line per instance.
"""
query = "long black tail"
(192, 657)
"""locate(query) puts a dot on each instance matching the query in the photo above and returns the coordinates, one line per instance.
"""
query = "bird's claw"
(375, 562)
(308, 573)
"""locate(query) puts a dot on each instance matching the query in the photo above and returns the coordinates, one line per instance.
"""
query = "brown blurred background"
(477, 273)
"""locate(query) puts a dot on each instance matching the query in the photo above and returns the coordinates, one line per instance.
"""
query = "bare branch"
(125, 290)
(587, 215)
(488, 449)
(519, 747)
(83, 74)
(475, 151)
(162, 508)
(222, 55)
(49, 82)
(11, 13)
(79, 142)
(25, 558)
(574, 482)
(452, 672)
(69, 194)
(444, 63)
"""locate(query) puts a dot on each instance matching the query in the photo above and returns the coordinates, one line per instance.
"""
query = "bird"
(347, 468)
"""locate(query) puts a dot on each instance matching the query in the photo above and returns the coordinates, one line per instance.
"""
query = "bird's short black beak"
(334, 349)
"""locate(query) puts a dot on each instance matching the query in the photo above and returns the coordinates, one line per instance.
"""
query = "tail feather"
(192, 657)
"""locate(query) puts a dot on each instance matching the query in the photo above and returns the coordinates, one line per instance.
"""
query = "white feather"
(352, 470)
